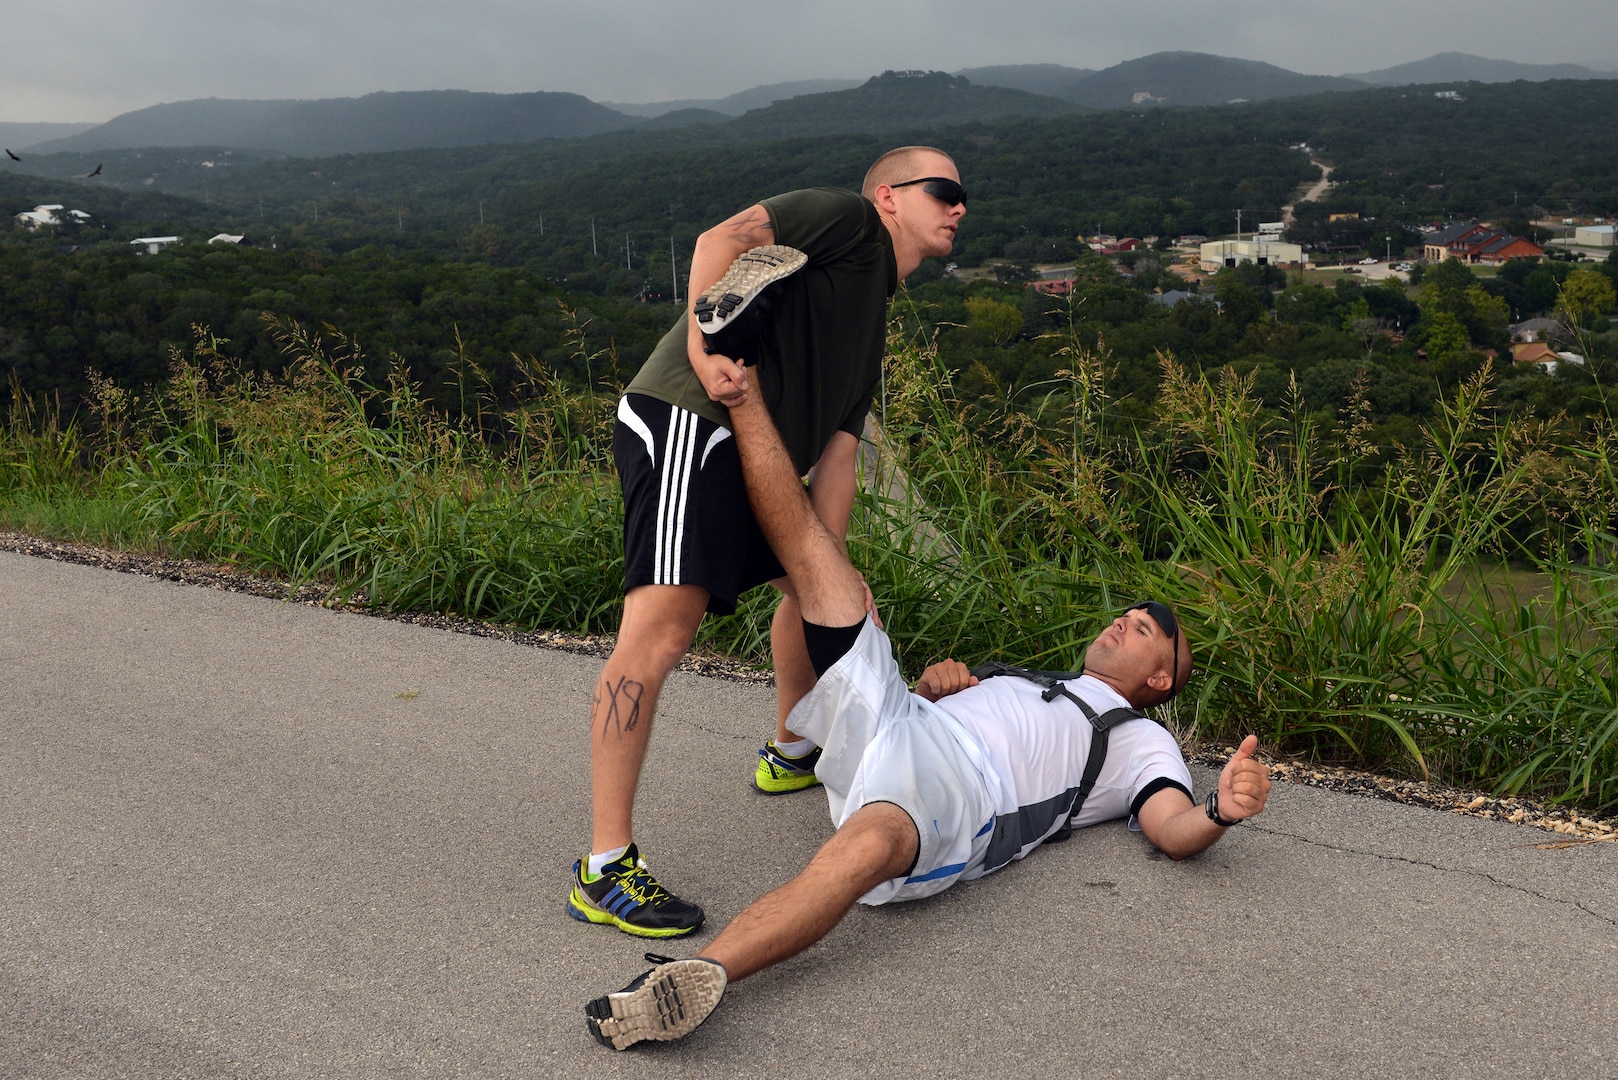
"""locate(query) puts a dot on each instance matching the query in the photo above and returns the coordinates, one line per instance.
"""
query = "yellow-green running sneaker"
(627, 896)
(778, 774)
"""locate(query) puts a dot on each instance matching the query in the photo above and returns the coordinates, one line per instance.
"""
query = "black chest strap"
(1055, 685)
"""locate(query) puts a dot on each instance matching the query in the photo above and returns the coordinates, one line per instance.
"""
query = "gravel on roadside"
(1568, 826)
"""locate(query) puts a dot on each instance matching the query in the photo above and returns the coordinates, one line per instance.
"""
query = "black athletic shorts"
(686, 516)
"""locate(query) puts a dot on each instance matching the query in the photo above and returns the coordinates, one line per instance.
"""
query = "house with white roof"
(49, 214)
(151, 245)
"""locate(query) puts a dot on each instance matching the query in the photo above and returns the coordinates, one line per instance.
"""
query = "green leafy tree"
(1586, 295)
(997, 320)
(1362, 324)
(1446, 338)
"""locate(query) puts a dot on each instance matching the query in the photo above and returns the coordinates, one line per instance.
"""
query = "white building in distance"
(48, 214)
(151, 245)
(1262, 250)
(1596, 235)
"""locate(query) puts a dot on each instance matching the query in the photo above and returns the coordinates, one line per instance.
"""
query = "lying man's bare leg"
(830, 591)
(877, 843)
(787, 762)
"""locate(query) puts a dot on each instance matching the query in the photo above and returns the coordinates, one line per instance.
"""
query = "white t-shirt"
(1032, 755)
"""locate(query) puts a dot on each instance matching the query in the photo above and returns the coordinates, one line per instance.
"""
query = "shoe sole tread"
(749, 275)
(673, 1002)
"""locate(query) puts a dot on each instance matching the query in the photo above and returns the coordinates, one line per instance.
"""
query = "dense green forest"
(1401, 155)
(486, 257)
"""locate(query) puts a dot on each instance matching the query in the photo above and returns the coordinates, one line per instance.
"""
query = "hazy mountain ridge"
(26, 136)
(1052, 80)
(1187, 78)
(410, 120)
(373, 123)
(896, 101)
(1463, 67)
(758, 97)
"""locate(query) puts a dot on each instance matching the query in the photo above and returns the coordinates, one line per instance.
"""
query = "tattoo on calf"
(618, 705)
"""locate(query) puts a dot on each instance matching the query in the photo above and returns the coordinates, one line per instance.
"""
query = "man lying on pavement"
(948, 783)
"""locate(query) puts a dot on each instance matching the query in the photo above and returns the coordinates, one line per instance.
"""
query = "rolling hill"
(1188, 78)
(369, 124)
(1052, 80)
(1462, 67)
(894, 102)
(759, 97)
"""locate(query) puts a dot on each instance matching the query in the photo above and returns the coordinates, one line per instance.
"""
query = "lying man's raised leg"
(830, 591)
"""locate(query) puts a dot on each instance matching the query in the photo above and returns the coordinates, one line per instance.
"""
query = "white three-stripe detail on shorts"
(630, 419)
(678, 454)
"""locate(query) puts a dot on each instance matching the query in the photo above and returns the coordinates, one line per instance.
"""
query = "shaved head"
(897, 166)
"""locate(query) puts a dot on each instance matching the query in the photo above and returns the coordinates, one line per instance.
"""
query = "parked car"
(1367, 262)
(1351, 270)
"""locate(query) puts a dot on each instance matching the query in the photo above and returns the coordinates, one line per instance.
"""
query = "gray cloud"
(92, 59)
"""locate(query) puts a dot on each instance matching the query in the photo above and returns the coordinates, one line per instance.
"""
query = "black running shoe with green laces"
(627, 896)
(666, 1003)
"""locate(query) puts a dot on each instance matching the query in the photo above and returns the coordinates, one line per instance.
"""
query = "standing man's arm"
(1180, 828)
(723, 378)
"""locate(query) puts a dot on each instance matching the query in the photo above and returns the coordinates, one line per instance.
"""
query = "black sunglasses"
(947, 191)
(1166, 622)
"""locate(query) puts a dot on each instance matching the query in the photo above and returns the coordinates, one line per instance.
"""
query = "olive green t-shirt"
(821, 355)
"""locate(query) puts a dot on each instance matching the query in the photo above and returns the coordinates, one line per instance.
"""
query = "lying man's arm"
(943, 679)
(1180, 828)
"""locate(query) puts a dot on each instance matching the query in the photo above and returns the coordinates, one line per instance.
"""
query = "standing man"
(691, 544)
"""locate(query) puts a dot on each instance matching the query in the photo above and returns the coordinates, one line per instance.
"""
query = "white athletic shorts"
(881, 743)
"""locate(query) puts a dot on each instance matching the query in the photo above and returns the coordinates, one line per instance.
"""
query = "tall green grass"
(1328, 587)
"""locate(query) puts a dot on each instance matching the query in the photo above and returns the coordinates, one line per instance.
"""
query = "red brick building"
(1476, 244)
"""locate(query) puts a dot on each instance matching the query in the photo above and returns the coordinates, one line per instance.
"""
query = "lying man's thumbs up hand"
(1244, 785)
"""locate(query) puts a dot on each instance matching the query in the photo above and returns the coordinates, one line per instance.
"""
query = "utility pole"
(1238, 225)
(674, 271)
(593, 250)
(480, 211)
(542, 224)
(629, 253)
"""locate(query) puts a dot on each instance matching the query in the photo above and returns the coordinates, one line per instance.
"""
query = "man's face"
(1132, 650)
(926, 219)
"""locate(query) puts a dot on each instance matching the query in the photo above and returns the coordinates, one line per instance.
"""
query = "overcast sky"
(89, 60)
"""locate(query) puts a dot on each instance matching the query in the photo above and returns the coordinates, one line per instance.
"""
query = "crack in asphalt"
(1484, 875)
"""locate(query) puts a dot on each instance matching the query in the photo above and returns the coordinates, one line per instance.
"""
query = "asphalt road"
(246, 838)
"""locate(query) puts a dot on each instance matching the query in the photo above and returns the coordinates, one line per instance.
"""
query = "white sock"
(596, 862)
(797, 748)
